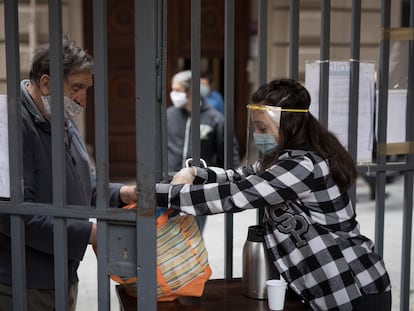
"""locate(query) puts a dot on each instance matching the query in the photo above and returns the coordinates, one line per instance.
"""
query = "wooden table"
(218, 295)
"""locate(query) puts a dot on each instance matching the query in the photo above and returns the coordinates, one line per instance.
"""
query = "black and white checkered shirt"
(311, 228)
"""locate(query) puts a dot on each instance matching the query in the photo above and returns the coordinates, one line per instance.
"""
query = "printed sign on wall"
(4, 150)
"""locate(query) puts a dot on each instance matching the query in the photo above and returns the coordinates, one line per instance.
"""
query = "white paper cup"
(276, 291)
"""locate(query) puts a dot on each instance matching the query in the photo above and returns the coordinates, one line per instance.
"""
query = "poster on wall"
(396, 117)
(338, 107)
(4, 150)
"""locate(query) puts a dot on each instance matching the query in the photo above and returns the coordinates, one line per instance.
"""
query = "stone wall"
(310, 31)
(34, 31)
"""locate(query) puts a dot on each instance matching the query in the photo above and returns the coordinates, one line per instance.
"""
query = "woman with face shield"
(301, 176)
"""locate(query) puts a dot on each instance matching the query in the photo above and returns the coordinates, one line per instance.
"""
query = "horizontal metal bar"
(373, 167)
(71, 211)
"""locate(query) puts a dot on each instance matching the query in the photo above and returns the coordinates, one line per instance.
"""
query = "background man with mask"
(214, 98)
(36, 109)
(179, 130)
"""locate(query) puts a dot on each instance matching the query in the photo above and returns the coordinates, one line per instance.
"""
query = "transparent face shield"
(263, 130)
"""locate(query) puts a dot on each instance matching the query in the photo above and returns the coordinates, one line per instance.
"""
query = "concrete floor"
(214, 232)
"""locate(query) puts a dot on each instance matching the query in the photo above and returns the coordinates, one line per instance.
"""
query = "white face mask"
(46, 104)
(204, 90)
(71, 109)
(179, 99)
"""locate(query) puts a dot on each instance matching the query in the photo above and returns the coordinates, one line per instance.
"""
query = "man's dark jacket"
(38, 185)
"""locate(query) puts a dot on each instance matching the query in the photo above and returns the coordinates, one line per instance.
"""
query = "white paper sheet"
(4, 150)
(338, 108)
(396, 117)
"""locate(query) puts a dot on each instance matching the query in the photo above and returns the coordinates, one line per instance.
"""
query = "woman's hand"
(184, 176)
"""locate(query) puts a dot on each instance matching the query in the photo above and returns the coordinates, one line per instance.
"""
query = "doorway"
(121, 79)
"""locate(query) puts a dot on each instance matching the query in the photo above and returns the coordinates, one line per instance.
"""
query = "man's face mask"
(179, 99)
(204, 90)
(46, 100)
(71, 109)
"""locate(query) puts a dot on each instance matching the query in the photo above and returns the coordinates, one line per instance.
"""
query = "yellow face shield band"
(272, 112)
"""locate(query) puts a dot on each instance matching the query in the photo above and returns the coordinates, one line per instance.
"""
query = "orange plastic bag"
(182, 259)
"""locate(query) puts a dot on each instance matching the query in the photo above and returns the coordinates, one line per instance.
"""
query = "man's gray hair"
(74, 59)
(183, 77)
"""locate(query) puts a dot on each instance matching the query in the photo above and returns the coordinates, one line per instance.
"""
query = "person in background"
(214, 98)
(179, 130)
(36, 106)
(301, 178)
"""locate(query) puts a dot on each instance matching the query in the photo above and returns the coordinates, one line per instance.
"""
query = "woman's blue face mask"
(266, 143)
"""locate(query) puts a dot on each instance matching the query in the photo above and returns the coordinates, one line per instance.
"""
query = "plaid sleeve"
(219, 175)
(229, 191)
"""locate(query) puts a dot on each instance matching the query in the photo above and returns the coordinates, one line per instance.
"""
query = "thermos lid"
(256, 233)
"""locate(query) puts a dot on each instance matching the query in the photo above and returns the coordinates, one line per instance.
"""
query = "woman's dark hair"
(74, 59)
(302, 130)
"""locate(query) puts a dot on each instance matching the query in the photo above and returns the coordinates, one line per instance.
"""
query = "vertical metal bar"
(100, 45)
(324, 62)
(17, 232)
(382, 129)
(148, 54)
(407, 226)
(162, 26)
(294, 39)
(11, 23)
(408, 181)
(32, 26)
(61, 267)
(262, 41)
(195, 80)
(58, 160)
(354, 85)
(262, 56)
(229, 124)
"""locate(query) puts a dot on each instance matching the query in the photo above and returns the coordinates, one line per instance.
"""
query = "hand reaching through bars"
(184, 176)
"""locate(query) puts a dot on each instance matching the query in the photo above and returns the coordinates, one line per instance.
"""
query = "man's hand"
(128, 194)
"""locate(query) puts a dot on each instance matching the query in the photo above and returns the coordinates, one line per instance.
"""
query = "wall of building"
(310, 32)
(33, 21)
(34, 31)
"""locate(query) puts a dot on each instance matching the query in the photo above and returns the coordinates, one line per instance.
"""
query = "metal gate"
(136, 230)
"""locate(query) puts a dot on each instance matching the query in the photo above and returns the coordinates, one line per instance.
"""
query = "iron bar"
(324, 62)
(408, 180)
(294, 39)
(354, 85)
(382, 130)
(11, 21)
(229, 62)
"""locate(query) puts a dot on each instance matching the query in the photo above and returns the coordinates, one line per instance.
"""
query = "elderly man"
(38, 184)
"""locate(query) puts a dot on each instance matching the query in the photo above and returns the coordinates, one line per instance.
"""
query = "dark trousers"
(376, 302)
(37, 299)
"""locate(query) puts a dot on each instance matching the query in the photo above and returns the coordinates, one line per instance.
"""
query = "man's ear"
(44, 84)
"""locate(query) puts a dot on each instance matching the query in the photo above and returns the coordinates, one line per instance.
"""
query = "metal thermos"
(257, 266)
